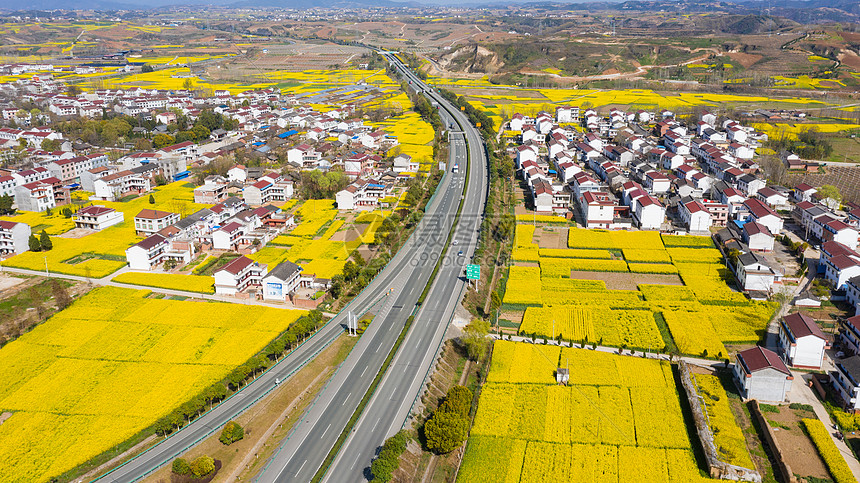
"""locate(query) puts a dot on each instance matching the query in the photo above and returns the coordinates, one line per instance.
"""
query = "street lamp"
(47, 273)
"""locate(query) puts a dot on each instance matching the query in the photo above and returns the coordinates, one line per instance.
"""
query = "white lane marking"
(324, 432)
(300, 468)
(374, 426)
(362, 372)
(354, 462)
(346, 399)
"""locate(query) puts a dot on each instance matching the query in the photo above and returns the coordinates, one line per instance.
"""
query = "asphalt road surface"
(302, 454)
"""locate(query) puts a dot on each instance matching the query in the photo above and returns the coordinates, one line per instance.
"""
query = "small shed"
(562, 375)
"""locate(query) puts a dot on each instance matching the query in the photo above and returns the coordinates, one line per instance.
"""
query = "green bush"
(231, 433)
(181, 467)
(445, 432)
(202, 466)
(387, 462)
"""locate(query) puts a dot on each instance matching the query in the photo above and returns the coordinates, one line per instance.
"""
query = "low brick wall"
(717, 468)
(782, 467)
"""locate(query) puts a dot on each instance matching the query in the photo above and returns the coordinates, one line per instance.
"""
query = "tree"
(161, 140)
(830, 196)
(51, 145)
(35, 246)
(202, 466)
(475, 338)
(181, 467)
(445, 432)
(61, 295)
(48, 212)
(387, 462)
(447, 429)
(6, 205)
(151, 199)
(231, 433)
(146, 68)
(45, 241)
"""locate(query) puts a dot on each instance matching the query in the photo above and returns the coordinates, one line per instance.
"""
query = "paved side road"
(107, 282)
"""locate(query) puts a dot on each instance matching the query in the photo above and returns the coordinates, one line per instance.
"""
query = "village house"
(150, 221)
(281, 281)
(760, 374)
(97, 217)
(239, 275)
(846, 380)
(801, 341)
(14, 238)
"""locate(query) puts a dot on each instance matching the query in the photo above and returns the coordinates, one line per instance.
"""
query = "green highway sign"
(473, 272)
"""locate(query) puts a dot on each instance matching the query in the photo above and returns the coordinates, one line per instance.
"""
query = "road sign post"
(473, 272)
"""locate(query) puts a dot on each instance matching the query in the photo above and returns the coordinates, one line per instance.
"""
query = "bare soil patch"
(745, 60)
(551, 237)
(350, 233)
(627, 281)
(526, 264)
(7, 282)
(77, 233)
(796, 447)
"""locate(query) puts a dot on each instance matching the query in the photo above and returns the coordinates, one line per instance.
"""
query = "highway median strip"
(353, 420)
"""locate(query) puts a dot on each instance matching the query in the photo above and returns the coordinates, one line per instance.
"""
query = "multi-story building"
(97, 217)
(14, 238)
(238, 275)
(148, 222)
(801, 341)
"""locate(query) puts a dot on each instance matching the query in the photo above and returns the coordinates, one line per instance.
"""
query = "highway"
(390, 407)
(303, 452)
(396, 289)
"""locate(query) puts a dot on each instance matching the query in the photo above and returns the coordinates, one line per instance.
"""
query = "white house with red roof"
(598, 209)
(757, 237)
(760, 212)
(228, 236)
(801, 341)
(695, 216)
(803, 192)
(760, 374)
(527, 152)
(35, 196)
(147, 253)
(648, 212)
(839, 231)
(239, 275)
(148, 222)
(97, 217)
(14, 238)
(7, 186)
(772, 198)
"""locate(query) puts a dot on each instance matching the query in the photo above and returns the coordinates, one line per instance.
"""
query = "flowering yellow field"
(728, 436)
(790, 131)
(109, 366)
(618, 420)
(321, 255)
(102, 253)
(701, 316)
(188, 283)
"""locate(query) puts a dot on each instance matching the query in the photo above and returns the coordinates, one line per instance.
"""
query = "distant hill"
(300, 4)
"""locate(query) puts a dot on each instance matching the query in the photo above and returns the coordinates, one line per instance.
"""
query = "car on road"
(460, 253)
(455, 242)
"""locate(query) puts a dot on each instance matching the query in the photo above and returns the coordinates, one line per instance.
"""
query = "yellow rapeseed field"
(109, 366)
